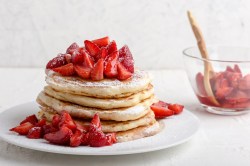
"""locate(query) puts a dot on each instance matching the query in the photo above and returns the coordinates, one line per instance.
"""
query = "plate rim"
(103, 153)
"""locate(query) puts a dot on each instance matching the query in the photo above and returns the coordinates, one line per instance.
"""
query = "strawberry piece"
(82, 128)
(55, 121)
(58, 61)
(35, 133)
(82, 71)
(32, 119)
(96, 122)
(60, 137)
(200, 84)
(97, 71)
(111, 138)
(112, 47)
(49, 129)
(177, 108)
(68, 58)
(66, 70)
(92, 48)
(85, 139)
(41, 123)
(205, 100)
(110, 65)
(229, 69)
(123, 73)
(102, 42)
(77, 57)
(76, 139)
(67, 121)
(244, 83)
(237, 69)
(96, 137)
(161, 110)
(23, 129)
(72, 48)
(103, 54)
(126, 58)
(88, 61)
(237, 97)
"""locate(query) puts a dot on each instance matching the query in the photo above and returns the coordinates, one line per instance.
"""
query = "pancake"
(139, 132)
(106, 88)
(107, 126)
(101, 103)
(118, 114)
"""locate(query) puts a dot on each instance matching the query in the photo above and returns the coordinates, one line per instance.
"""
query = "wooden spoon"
(208, 69)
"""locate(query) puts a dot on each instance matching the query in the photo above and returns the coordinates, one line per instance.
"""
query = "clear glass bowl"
(230, 79)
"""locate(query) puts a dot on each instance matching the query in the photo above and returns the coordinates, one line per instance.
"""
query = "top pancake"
(106, 88)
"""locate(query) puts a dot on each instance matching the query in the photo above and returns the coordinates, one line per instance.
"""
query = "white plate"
(178, 129)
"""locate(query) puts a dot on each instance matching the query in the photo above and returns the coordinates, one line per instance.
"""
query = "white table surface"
(221, 140)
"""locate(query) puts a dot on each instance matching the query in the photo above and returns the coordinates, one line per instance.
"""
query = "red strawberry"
(41, 123)
(97, 71)
(76, 139)
(49, 129)
(32, 119)
(96, 122)
(161, 109)
(112, 47)
(123, 73)
(177, 108)
(237, 97)
(72, 48)
(111, 138)
(66, 120)
(126, 58)
(102, 42)
(244, 83)
(237, 69)
(23, 129)
(110, 66)
(82, 128)
(77, 57)
(88, 61)
(66, 70)
(61, 137)
(58, 61)
(103, 54)
(92, 48)
(68, 58)
(35, 133)
(82, 71)
(229, 69)
(55, 121)
(200, 84)
(96, 137)
(85, 139)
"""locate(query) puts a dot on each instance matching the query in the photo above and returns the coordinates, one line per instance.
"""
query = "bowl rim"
(214, 60)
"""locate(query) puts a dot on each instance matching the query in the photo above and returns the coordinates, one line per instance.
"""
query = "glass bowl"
(229, 79)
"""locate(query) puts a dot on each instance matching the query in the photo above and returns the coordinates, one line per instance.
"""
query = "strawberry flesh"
(92, 48)
(110, 65)
(177, 108)
(123, 73)
(32, 119)
(102, 42)
(66, 70)
(76, 139)
(60, 137)
(82, 71)
(161, 109)
(72, 48)
(97, 71)
(112, 47)
(58, 61)
(35, 133)
(126, 58)
(23, 129)
(67, 121)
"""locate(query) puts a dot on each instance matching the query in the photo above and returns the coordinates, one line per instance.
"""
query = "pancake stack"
(123, 106)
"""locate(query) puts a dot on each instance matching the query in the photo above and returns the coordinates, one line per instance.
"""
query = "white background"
(32, 32)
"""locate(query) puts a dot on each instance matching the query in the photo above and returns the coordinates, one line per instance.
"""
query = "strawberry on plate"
(76, 139)
(110, 65)
(61, 137)
(32, 119)
(97, 71)
(161, 109)
(66, 70)
(66, 120)
(102, 42)
(177, 108)
(23, 129)
(126, 58)
(92, 48)
(35, 133)
(123, 73)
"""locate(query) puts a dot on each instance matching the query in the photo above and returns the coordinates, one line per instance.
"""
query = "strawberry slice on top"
(66, 70)
(123, 73)
(82, 71)
(97, 71)
(92, 48)
(126, 58)
(102, 42)
(112, 47)
(72, 48)
(58, 61)
(110, 65)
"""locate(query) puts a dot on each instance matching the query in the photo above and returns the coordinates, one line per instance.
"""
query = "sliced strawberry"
(200, 84)
(161, 110)
(35, 133)
(123, 73)
(67, 121)
(102, 42)
(82, 128)
(76, 139)
(77, 57)
(237, 97)
(61, 137)
(177, 108)
(112, 47)
(66, 70)
(72, 48)
(244, 83)
(58, 61)
(55, 121)
(85, 139)
(97, 71)
(82, 71)
(96, 122)
(23, 129)
(41, 123)
(68, 58)
(96, 137)
(32, 119)
(49, 129)
(92, 48)
(88, 61)
(126, 58)
(103, 54)
(111, 138)
(237, 69)
(110, 65)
